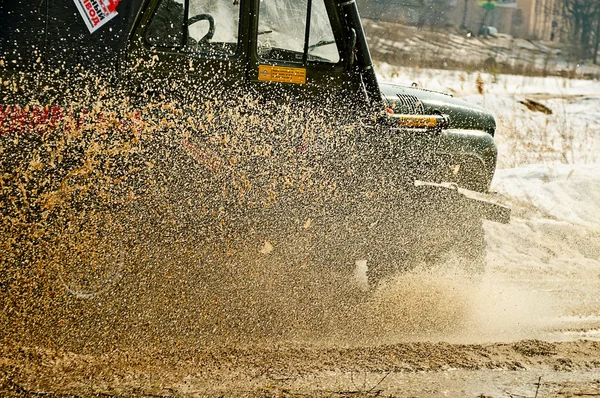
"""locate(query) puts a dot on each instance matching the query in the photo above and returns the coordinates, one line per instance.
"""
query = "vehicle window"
(212, 25)
(281, 29)
(166, 26)
(321, 44)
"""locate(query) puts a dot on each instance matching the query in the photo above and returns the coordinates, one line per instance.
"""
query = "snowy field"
(544, 267)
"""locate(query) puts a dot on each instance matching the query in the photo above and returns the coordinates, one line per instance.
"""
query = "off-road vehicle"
(284, 136)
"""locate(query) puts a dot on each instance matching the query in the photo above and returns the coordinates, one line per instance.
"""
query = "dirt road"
(406, 369)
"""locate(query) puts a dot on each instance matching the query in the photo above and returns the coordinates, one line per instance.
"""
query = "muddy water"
(172, 316)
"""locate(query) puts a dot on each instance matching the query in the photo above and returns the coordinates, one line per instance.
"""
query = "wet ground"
(406, 369)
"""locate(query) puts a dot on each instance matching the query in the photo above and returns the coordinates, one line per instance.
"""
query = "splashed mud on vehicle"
(187, 191)
(226, 138)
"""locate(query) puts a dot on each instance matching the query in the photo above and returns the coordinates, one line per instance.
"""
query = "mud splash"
(159, 223)
(197, 296)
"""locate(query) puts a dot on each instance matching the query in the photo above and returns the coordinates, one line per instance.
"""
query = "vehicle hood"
(413, 100)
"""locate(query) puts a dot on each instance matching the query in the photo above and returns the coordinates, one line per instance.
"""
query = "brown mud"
(184, 315)
(422, 369)
(426, 333)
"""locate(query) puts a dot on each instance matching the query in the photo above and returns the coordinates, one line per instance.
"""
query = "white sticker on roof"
(96, 13)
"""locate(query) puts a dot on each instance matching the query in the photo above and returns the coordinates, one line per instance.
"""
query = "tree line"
(582, 18)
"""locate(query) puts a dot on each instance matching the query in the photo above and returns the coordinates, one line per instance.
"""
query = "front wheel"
(432, 236)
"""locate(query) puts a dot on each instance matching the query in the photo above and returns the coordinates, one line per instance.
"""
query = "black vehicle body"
(53, 34)
(406, 133)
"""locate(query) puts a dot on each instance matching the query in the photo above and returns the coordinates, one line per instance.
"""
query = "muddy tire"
(433, 237)
(91, 255)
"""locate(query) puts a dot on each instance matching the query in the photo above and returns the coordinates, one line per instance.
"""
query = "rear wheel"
(91, 253)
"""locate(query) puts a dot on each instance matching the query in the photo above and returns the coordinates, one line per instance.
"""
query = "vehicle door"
(197, 43)
(296, 51)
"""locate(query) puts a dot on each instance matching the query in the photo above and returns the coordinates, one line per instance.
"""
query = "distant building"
(505, 16)
(530, 19)
(541, 19)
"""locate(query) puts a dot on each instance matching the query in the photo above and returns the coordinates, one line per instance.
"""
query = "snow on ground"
(552, 245)
(463, 83)
(565, 193)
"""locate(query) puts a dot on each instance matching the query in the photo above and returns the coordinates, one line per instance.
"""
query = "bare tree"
(597, 34)
(583, 18)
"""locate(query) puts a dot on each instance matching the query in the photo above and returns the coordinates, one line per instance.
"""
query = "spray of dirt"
(160, 225)
(446, 304)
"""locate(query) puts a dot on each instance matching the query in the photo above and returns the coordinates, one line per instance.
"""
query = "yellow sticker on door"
(282, 74)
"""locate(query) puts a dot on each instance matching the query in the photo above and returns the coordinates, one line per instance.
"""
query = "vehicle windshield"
(226, 16)
(282, 31)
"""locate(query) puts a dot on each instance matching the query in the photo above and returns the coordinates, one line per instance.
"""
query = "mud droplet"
(267, 248)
